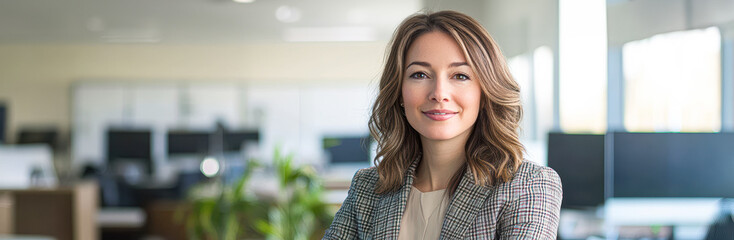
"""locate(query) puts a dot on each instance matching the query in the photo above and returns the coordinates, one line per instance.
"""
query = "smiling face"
(441, 94)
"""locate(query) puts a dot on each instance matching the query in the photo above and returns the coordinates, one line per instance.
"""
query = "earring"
(401, 105)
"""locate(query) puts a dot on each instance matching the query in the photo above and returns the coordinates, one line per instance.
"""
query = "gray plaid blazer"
(527, 207)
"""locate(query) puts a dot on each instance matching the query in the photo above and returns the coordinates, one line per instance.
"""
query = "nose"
(440, 91)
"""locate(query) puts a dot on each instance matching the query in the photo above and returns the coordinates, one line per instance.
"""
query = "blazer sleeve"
(344, 225)
(536, 212)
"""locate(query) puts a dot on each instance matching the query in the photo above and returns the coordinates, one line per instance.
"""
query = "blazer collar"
(464, 206)
(391, 207)
(460, 213)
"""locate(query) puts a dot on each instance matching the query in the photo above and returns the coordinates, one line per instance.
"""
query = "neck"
(440, 161)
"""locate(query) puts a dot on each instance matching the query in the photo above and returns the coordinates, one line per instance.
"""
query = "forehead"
(436, 47)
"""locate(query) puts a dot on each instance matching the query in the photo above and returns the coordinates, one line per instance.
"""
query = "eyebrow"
(425, 64)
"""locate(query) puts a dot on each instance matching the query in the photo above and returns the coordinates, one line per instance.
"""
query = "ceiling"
(199, 21)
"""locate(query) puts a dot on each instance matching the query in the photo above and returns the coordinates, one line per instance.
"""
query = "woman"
(449, 162)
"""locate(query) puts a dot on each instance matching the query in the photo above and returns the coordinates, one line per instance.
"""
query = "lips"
(440, 114)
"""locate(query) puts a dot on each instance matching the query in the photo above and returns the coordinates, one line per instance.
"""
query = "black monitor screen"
(233, 140)
(34, 136)
(129, 145)
(579, 161)
(188, 142)
(347, 149)
(673, 165)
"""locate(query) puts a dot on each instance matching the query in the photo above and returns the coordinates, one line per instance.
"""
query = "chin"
(439, 135)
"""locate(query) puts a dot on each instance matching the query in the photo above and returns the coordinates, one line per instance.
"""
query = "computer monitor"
(233, 140)
(126, 146)
(673, 165)
(345, 150)
(187, 143)
(579, 161)
(48, 136)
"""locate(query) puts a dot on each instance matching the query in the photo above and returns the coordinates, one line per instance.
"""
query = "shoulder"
(364, 181)
(532, 178)
(531, 203)
(532, 172)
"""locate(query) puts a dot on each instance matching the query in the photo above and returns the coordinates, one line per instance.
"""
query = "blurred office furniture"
(26, 166)
(157, 105)
(187, 143)
(186, 150)
(163, 221)
(162, 105)
(64, 213)
(723, 227)
(234, 140)
(669, 179)
(236, 146)
(129, 153)
(673, 165)
(25, 237)
(39, 135)
(347, 150)
(344, 156)
(3, 121)
(579, 161)
(121, 223)
(129, 163)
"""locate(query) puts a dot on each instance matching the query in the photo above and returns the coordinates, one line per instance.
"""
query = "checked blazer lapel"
(464, 206)
(391, 207)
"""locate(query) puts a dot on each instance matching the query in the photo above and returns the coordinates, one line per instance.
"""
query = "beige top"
(423, 215)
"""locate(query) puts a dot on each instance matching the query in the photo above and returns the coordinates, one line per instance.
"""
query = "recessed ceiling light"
(243, 1)
(330, 34)
(95, 24)
(287, 14)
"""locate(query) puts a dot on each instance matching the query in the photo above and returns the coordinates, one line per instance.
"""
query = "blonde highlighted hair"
(493, 151)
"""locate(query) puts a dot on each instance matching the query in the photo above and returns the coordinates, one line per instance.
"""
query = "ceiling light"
(243, 1)
(330, 34)
(287, 14)
(209, 167)
(95, 24)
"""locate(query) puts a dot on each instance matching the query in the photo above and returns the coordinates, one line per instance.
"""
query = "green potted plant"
(218, 211)
(298, 212)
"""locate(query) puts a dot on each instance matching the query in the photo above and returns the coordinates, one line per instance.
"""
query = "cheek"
(411, 95)
(472, 104)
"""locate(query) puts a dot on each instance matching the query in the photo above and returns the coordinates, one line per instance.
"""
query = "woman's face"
(441, 94)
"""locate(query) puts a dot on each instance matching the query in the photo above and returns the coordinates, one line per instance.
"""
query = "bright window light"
(673, 82)
(520, 69)
(543, 87)
(583, 65)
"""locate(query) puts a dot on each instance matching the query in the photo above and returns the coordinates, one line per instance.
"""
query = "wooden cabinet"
(64, 213)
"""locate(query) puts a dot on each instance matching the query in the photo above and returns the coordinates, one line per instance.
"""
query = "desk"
(64, 213)
(24, 237)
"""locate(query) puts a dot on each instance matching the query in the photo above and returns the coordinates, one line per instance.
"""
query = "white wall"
(520, 26)
(35, 80)
(639, 19)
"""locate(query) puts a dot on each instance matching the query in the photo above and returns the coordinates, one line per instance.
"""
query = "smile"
(440, 115)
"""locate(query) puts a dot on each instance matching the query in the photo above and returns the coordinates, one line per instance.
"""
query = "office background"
(301, 75)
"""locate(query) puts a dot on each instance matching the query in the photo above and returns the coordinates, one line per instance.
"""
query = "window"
(582, 65)
(520, 69)
(534, 73)
(543, 88)
(673, 82)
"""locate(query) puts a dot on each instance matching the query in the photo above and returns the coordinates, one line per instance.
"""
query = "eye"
(418, 75)
(462, 77)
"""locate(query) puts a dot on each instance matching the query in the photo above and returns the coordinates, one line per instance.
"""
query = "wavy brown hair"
(493, 150)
